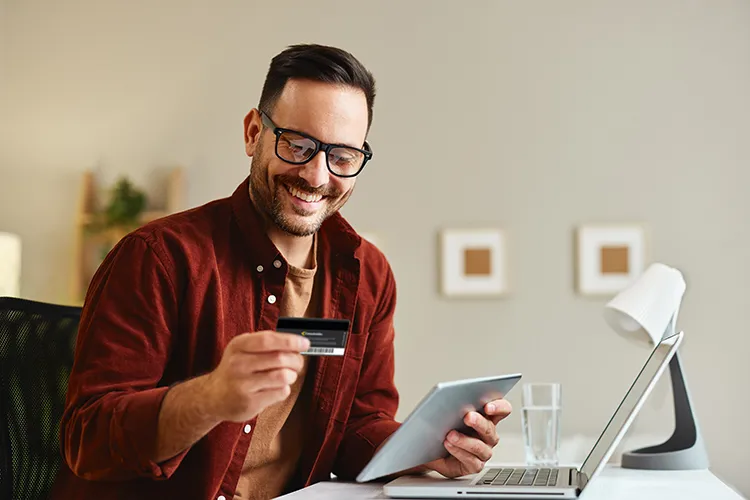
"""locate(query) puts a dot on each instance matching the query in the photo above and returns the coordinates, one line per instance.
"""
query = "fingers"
(256, 370)
(470, 463)
(246, 364)
(268, 397)
(485, 428)
(271, 380)
(497, 410)
(259, 361)
(267, 341)
(470, 446)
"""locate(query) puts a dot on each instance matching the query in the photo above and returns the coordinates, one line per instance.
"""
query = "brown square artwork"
(614, 260)
(477, 262)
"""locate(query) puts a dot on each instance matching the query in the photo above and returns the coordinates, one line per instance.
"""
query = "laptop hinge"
(581, 480)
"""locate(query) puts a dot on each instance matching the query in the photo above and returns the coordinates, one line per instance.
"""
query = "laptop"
(554, 482)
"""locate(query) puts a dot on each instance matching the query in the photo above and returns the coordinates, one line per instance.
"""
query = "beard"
(290, 218)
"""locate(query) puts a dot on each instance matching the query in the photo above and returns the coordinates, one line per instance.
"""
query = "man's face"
(298, 198)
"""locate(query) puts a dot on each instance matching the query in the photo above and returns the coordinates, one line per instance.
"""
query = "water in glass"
(540, 418)
(541, 432)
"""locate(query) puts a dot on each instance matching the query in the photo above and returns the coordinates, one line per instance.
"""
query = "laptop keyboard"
(519, 477)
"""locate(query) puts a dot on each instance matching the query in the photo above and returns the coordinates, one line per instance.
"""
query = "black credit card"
(327, 336)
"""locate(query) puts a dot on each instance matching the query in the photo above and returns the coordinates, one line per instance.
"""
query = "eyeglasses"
(299, 148)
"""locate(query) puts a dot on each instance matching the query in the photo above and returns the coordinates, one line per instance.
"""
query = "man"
(181, 387)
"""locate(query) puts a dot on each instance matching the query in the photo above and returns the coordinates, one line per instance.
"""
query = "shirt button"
(260, 269)
(277, 263)
(248, 428)
(221, 497)
(272, 299)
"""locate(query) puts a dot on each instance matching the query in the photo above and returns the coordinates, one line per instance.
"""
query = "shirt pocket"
(356, 344)
(345, 370)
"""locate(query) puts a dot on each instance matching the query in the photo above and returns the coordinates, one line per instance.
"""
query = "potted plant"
(121, 215)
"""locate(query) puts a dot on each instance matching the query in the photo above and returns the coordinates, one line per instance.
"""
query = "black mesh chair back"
(37, 344)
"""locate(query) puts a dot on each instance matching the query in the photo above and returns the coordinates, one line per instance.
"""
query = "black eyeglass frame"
(319, 146)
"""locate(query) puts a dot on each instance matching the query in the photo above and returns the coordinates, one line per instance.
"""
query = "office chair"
(37, 344)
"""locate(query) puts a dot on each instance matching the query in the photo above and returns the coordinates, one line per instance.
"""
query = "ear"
(253, 128)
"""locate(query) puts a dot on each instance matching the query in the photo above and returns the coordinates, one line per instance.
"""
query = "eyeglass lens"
(296, 148)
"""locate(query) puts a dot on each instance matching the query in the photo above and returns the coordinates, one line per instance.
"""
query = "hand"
(469, 454)
(256, 371)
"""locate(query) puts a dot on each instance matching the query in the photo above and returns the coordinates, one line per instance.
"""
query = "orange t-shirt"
(277, 441)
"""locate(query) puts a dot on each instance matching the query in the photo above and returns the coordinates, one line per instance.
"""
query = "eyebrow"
(302, 132)
(324, 142)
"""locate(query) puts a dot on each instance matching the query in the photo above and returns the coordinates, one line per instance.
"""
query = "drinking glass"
(540, 418)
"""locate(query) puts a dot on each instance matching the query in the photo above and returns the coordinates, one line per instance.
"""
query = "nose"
(315, 171)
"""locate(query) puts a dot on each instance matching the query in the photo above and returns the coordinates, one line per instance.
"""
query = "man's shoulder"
(372, 257)
(376, 273)
(377, 283)
(191, 230)
(374, 264)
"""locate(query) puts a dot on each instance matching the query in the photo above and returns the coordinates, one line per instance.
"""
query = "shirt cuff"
(135, 425)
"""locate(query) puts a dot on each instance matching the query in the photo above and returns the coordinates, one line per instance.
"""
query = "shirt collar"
(335, 235)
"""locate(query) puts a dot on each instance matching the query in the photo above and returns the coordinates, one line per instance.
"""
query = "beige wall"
(535, 116)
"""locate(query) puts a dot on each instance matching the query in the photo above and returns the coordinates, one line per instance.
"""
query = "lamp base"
(648, 458)
(684, 450)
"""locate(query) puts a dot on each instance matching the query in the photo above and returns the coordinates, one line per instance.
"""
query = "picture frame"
(609, 257)
(473, 262)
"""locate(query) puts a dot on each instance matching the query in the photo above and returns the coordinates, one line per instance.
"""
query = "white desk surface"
(613, 483)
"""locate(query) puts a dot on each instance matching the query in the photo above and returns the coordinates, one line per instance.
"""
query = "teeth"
(310, 198)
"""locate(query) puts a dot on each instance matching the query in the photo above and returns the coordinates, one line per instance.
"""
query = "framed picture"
(609, 257)
(473, 262)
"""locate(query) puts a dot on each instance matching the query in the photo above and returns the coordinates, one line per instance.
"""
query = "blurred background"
(534, 117)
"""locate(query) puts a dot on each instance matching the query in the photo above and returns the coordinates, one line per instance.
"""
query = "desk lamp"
(646, 311)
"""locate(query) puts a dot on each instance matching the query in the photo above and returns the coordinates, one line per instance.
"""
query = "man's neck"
(297, 250)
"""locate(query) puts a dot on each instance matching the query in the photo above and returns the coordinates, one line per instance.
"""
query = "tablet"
(420, 438)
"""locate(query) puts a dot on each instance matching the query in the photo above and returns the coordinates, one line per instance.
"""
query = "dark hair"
(320, 63)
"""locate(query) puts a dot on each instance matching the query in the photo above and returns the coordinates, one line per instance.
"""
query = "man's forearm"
(184, 418)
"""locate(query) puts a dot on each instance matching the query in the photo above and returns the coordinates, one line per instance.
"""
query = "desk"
(614, 483)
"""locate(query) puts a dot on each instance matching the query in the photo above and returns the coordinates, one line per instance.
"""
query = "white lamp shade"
(10, 265)
(649, 305)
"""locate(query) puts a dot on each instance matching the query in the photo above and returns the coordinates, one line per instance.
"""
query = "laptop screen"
(630, 405)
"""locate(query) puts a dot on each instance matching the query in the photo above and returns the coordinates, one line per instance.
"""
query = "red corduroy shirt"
(160, 310)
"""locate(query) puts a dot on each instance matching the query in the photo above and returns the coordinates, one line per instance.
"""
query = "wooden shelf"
(147, 216)
(90, 247)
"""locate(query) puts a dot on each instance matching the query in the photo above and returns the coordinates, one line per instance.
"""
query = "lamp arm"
(685, 448)
(686, 427)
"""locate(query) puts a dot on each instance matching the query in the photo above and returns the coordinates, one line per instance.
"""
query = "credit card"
(327, 336)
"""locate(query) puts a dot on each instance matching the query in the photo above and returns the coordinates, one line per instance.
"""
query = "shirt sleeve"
(109, 425)
(372, 417)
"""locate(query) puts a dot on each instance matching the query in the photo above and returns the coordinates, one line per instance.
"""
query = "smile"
(309, 198)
